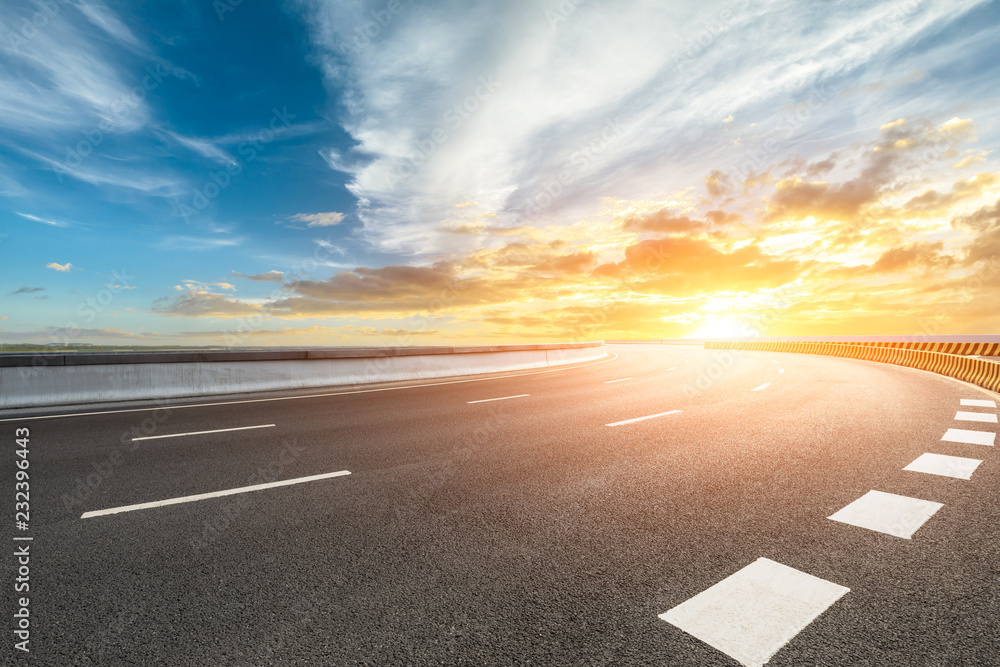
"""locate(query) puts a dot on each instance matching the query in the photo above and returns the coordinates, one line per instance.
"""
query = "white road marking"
(978, 403)
(618, 380)
(969, 437)
(774, 361)
(887, 513)
(687, 361)
(751, 614)
(219, 430)
(946, 466)
(987, 417)
(214, 494)
(781, 370)
(613, 357)
(672, 369)
(502, 398)
(639, 419)
(762, 387)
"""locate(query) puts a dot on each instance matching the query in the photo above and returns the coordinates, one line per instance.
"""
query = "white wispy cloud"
(204, 147)
(281, 132)
(64, 268)
(99, 14)
(44, 221)
(120, 173)
(197, 242)
(530, 116)
(59, 78)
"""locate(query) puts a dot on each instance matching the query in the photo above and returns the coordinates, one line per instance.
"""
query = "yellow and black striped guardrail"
(982, 349)
(981, 372)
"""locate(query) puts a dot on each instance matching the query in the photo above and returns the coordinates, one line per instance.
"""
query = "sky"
(406, 172)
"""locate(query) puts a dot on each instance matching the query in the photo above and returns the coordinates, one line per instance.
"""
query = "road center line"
(220, 430)
(887, 513)
(988, 417)
(969, 437)
(762, 387)
(751, 614)
(214, 494)
(502, 398)
(639, 419)
(618, 380)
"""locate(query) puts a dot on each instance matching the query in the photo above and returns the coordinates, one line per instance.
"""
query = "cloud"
(934, 203)
(99, 14)
(204, 147)
(65, 268)
(664, 221)
(901, 148)
(923, 255)
(479, 229)
(318, 219)
(28, 290)
(537, 121)
(44, 221)
(61, 78)
(718, 184)
(680, 266)
(196, 301)
(985, 223)
(270, 276)
(197, 243)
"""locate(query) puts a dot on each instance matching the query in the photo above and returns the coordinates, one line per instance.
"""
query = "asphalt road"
(510, 532)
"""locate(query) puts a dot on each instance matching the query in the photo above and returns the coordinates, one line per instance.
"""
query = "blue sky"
(404, 172)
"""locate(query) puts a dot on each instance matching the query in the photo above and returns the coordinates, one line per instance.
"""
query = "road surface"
(539, 518)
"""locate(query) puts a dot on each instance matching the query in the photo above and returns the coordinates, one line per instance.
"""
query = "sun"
(720, 328)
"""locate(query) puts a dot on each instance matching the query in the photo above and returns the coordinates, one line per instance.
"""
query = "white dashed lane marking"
(888, 513)
(969, 437)
(985, 417)
(618, 380)
(214, 494)
(672, 369)
(218, 430)
(762, 387)
(639, 419)
(946, 466)
(502, 398)
(751, 614)
(781, 370)
(978, 403)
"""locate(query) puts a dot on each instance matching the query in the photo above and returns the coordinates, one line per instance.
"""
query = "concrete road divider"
(32, 380)
(981, 372)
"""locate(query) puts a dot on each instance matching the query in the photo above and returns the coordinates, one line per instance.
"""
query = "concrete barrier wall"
(45, 380)
(981, 372)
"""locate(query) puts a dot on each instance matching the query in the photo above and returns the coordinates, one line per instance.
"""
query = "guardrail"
(984, 349)
(981, 372)
(32, 380)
